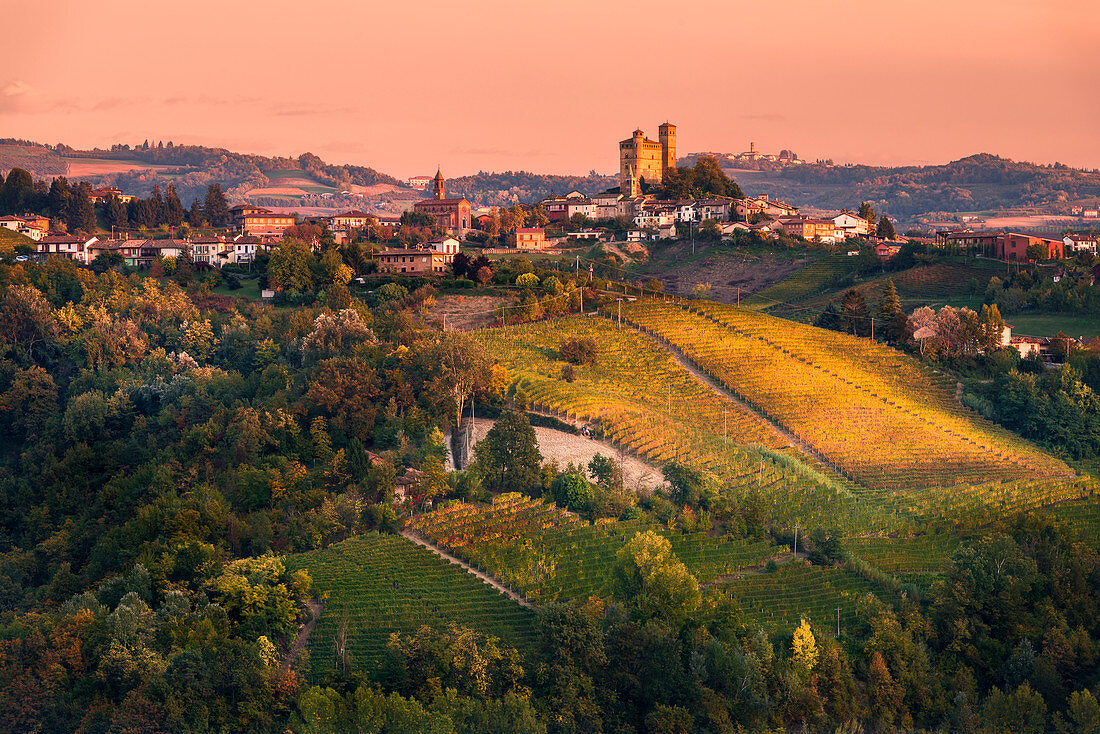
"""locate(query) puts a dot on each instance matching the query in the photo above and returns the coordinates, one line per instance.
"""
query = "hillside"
(977, 183)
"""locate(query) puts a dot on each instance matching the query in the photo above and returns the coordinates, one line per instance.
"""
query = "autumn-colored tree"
(346, 390)
(29, 401)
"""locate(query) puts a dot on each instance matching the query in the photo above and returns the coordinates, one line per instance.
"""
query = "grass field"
(10, 239)
(249, 289)
(389, 584)
(1043, 324)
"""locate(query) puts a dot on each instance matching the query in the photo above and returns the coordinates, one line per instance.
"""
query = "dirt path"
(302, 640)
(420, 540)
(566, 448)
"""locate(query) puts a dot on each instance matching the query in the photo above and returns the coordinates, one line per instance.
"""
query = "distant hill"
(511, 187)
(190, 167)
(975, 183)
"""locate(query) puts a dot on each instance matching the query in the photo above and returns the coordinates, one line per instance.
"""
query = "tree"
(688, 486)
(173, 207)
(18, 191)
(886, 228)
(891, 312)
(60, 193)
(215, 209)
(508, 457)
(579, 350)
(81, 211)
(454, 369)
(527, 281)
(1037, 251)
(347, 391)
(572, 491)
(461, 265)
(992, 328)
(804, 649)
(867, 211)
(194, 214)
(114, 213)
(854, 313)
(648, 575)
(290, 266)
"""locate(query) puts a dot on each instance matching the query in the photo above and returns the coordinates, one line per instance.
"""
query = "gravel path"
(555, 445)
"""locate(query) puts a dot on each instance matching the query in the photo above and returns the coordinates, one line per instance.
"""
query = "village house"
(764, 205)
(808, 228)
(243, 249)
(850, 225)
(1013, 247)
(412, 261)
(886, 252)
(209, 250)
(717, 209)
(259, 221)
(1079, 243)
(68, 246)
(354, 219)
(607, 205)
(530, 238)
(102, 194)
(448, 247)
(450, 215)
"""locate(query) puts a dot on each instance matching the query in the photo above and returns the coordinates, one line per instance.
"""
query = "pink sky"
(552, 86)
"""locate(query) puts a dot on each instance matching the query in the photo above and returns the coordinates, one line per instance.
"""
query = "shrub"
(568, 372)
(579, 350)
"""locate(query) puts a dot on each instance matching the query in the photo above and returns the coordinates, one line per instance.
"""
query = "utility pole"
(444, 322)
(619, 302)
(670, 400)
(739, 296)
(796, 538)
(582, 301)
(872, 328)
(724, 441)
(838, 621)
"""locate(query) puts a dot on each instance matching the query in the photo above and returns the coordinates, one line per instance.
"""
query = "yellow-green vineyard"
(649, 404)
(874, 414)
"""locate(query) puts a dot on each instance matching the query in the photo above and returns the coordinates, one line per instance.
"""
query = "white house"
(1079, 243)
(848, 224)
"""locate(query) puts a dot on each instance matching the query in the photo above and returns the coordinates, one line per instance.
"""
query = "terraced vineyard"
(547, 554)
(779, 600)
(389, 584)
(652, 406)
(871, 412)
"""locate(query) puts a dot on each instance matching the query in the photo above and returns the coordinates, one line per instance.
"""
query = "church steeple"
(438, 191)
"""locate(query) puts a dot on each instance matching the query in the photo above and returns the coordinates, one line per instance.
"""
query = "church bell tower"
(438, 191)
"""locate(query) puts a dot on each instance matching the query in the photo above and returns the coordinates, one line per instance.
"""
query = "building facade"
(641, 158)
(450, 215)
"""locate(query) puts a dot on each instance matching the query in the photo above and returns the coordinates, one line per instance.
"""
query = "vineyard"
(389, 584)
(648, 404)
(820, 275)
(879, 417)
(548, 554)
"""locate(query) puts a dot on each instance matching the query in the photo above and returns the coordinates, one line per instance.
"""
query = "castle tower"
(667, 136)
(438, 191)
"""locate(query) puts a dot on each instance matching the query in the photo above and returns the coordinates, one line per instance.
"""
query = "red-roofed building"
(450, 215)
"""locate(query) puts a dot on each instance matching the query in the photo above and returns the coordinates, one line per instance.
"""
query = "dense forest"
(510, 187)
(163, 447)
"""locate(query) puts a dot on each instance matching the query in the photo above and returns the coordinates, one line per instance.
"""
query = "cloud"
(15, 88)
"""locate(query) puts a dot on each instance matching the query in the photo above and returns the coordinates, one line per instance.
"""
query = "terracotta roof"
(354, 213)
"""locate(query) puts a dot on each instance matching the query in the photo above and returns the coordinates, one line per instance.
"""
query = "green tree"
(81, 211)
(649, 576)
(891, 312)
(885, 228)
(1021, 712)
(688, 486)
(867, 211)
(18, 192)
(58, 198)
(508, 457)
(215, 209)
(572, 491)
(854, 313)
(291, 266)
(173, 208)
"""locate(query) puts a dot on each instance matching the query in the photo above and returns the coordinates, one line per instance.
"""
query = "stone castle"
(642, 158)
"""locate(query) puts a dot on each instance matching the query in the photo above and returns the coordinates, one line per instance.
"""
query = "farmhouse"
(68, 246)
(851, 225)
(530, 238)
(1079, 243)
(412, 261)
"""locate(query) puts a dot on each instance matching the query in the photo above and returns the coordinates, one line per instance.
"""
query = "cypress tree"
(891, 312)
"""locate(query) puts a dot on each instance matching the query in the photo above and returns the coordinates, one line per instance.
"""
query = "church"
(451, 215)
